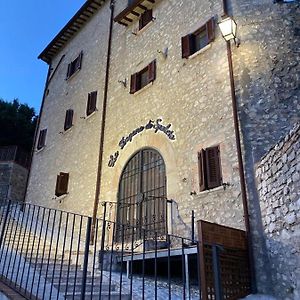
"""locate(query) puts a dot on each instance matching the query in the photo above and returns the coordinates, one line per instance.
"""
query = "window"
(74, 66)
(145, 18)
(69, 119)
(130, 2)
(91, 103)
(209, 168)
(197, 40)
(62, 182)
(42, 139)
(142, 78)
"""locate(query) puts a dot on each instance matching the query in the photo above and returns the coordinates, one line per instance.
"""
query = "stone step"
(96, 287)
(96, 296)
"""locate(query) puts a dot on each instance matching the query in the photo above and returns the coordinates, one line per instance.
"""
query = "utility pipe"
(103, 121)
(240, 159)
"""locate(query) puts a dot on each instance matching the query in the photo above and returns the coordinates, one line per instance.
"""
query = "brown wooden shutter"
(210, 28)
(91, 104)
(152, 71)
(69, 71)
(78, 61)
(69, 119)
(62, 181)
(42, 139)
(201, 169)
(186, 46)
(133, 83)
(213, 167)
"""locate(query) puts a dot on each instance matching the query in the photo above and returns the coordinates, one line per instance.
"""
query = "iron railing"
(49, 254)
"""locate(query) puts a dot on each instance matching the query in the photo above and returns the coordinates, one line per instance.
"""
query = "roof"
(83, 15)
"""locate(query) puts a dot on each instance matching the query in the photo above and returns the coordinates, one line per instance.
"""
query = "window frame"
(68, 119)
(135, 81)
(145, 19)
(41, 143)
(188, 42)
(74, 66)
(91, 105)
(62, 184)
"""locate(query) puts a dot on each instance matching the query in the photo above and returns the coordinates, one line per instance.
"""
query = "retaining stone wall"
(278, 183)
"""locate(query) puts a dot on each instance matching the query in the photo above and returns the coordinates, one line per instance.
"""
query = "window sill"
(60, 198)
(68, 130)
(39, 150)
(91, 114)
(143, 88)
(69, 78)
(140, 31)
(216, 189)
(200, 51)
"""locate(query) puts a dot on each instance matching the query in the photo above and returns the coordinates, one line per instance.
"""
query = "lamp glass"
(228, 28)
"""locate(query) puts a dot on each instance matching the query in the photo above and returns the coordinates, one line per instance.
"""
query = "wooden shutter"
(201, 170)
(69, 119)
(186, 46)
(91, 104)
(210, 29)
(42, 139)
(146, 18)
(152, 71)
(213, 167)
(78, 61)
(133, 83)
(69, 71)
(62, 181)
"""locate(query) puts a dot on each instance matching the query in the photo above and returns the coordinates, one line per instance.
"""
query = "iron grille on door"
(142, 195)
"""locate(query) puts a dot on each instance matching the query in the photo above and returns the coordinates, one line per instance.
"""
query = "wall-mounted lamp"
(123, 82)
(228, 28)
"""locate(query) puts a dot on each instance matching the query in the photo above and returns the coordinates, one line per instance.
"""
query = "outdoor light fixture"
(228, 28)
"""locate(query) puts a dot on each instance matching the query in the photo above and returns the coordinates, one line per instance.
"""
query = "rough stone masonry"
(278, 183)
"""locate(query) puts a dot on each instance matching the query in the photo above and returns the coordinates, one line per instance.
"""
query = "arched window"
(142, 194)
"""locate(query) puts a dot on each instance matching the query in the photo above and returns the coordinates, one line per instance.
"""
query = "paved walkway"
(7, 293)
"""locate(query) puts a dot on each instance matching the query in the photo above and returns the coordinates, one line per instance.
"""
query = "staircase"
(35, 264)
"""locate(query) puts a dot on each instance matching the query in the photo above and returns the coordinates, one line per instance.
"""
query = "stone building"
(138, 108)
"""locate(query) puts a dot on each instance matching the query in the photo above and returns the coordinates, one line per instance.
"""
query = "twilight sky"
(26, 27)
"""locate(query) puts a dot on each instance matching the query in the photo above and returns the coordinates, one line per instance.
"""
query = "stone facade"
(278, 184)
(193, 95)
(12, 181)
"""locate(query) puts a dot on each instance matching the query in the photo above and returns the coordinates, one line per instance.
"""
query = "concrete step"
(96, 296)
(96, 287)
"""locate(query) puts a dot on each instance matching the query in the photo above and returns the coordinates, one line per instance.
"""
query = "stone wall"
(12, 181)
(278, 184)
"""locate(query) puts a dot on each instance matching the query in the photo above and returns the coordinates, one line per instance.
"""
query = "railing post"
(4, 222)
(86, 257)
(217, 272)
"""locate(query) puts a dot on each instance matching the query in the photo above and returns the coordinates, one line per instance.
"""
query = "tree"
(17, 124)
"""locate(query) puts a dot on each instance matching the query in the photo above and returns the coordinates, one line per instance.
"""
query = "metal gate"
(142, 194)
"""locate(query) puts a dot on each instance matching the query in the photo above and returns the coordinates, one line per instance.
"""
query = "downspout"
(240, 160)
(36, 128)
(103, 119)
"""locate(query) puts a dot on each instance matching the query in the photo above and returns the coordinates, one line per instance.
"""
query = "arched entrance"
(142, 194)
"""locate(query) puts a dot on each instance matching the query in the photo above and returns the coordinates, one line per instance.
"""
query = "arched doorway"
(142, 202)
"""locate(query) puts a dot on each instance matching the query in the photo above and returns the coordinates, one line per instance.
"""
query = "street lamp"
(228, 28)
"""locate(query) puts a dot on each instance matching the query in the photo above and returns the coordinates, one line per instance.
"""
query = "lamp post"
(228, 28)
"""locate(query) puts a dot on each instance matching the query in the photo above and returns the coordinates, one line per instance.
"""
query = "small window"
(209, 163)
(74, 66)
(197, 40)
(42, 139)
(145, 18)
(62, 181)
(68, 119)
(143, 78)
(91, 103)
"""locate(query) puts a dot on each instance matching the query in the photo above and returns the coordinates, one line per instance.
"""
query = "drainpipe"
(103, 119)
(37, 127)
(240, 160)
